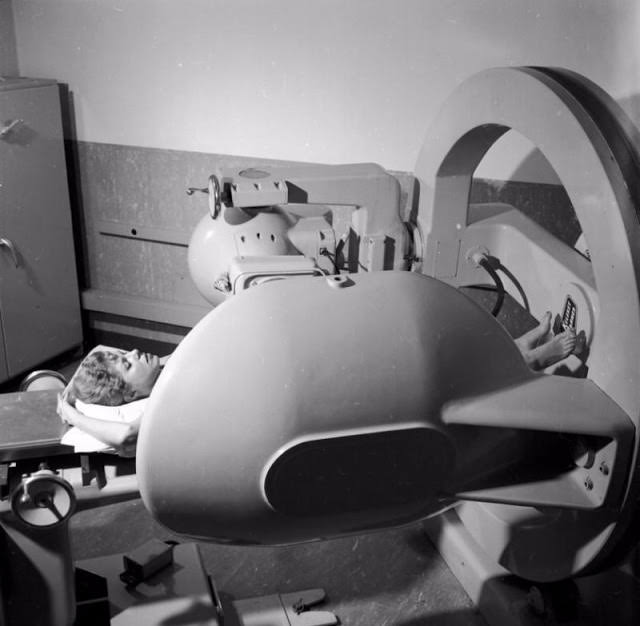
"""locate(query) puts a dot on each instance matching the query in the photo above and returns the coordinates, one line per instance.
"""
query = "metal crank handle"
(215, 195)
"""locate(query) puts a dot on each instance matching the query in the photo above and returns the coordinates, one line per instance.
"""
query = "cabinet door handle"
(7, 243)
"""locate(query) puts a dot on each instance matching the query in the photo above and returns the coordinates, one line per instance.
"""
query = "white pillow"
(126, 413)
(84, 442)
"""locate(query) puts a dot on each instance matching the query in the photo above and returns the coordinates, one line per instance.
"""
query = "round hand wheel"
(43, 500)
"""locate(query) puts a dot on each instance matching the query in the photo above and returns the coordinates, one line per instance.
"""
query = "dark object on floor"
(145, 561)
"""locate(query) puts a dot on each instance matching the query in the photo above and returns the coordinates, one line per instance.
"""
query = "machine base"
(183, 593)
(611, 597)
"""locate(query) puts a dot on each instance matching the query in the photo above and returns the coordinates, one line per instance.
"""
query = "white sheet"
(83, 442)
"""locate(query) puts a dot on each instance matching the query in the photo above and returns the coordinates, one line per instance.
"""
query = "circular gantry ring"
(589, 142)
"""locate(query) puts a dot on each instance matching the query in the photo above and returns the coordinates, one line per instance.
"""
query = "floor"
(390, 578)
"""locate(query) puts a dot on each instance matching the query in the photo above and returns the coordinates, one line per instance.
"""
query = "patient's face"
(138, 369)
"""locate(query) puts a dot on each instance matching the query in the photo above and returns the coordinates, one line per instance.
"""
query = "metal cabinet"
(39, 299)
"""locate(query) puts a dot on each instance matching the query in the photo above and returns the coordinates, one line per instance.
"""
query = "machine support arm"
(370, 188)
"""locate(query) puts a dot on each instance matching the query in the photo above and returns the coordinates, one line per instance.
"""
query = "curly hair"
(96, 382)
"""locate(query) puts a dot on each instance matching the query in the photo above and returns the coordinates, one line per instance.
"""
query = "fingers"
(60, 407)
(64, 409)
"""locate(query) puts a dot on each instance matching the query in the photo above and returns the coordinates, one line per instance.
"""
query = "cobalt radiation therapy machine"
(351, 399)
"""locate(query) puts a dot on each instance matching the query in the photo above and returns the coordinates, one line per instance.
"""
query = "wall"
(160, 92)
(136, 222)
(321, 81)
(8, 57)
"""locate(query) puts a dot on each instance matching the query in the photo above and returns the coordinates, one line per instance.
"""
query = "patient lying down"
(105, 399)
(106, 396)
(541, 351)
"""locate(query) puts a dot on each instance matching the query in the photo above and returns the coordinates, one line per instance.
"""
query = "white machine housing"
(292, 396)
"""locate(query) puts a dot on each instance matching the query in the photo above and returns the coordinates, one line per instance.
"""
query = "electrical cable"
(486, 265)
(334, 257)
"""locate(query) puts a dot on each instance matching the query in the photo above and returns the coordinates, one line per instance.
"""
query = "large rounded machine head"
(313, 407)
(234, 233)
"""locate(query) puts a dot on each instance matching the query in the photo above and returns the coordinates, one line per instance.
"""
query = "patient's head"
(112, 377)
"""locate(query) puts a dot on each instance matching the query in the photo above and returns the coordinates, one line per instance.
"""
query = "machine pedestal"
(611, 597)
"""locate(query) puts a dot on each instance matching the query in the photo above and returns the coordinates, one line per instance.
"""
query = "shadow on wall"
(631, 106)
(67, 108)
(534, 166)
(547, 204)
(534, 163)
